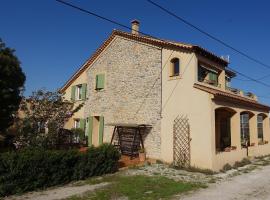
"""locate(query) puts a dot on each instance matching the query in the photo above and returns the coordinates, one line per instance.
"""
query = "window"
(76, 123)
(78, 92)
(100, 81)
(244, 121)
(175, 67)
(213, 77)
(227, 81)
(260, 127)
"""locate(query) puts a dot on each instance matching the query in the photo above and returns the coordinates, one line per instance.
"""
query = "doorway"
(95, 133)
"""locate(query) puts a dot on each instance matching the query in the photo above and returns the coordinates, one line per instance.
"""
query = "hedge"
(32, 169)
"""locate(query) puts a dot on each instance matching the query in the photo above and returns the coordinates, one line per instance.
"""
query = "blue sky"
(52, 40)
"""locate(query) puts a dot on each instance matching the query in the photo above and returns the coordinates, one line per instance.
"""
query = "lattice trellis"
(181, 142)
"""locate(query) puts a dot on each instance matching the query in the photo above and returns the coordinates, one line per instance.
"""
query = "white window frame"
(76, 123)
(78, 93)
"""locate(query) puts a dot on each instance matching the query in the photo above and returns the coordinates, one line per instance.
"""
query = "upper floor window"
(175, 67)
(207, 75)
(260, 127)
(227, 81)
(78, 92)
(78, 95)
(100, 81)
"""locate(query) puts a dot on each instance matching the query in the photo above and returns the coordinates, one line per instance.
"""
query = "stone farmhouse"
(181, 91)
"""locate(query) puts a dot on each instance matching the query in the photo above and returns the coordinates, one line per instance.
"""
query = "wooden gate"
(181, 142)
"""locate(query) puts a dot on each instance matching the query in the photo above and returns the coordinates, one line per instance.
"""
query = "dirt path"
(57, 193)
(253, 186)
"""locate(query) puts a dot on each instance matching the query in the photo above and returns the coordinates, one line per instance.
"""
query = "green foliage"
(44, 111)
(78, 132)
(241, 163)
(227, 167)
(138, 187)
(12, 81)
(32, 169)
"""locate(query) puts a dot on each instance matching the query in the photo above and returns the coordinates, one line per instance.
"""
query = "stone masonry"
(132, 92)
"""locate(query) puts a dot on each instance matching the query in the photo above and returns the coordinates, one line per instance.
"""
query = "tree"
(12, 81)
(44, 114)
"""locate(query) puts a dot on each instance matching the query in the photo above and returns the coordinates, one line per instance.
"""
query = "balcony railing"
(233, 90)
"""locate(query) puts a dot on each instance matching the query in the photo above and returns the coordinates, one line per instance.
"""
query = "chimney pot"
(135, 25)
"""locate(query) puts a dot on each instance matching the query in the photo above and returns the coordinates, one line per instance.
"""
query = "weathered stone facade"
(132, 92)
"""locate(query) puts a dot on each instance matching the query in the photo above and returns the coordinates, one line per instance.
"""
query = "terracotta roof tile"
(145, 39)
(223, 95)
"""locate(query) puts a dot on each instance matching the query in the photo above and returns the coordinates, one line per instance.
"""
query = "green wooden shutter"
(73, 90)
(82, 124)
(100, 81)
(84, 90)
(90, 130)
(101, 129)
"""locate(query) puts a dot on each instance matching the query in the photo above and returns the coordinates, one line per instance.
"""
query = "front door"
(95, 130)
(95, 133)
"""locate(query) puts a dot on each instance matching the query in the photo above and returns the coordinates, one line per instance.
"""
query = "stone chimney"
(135, 25)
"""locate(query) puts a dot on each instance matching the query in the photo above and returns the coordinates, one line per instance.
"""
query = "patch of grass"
(159, 162)
(241, 163)
(139, 187)
(203, 171)
(227, 167)
(195, 169)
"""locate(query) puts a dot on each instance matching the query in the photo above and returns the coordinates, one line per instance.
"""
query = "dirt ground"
(249, 182)
(254, 185)
(57, 193)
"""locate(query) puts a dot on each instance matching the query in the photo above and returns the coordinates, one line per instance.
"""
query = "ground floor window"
(260, 127)
(76, 123)
(223, 128)
(244, 124)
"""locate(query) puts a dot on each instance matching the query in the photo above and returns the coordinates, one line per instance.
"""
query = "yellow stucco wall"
(221, 158)
(179, 97)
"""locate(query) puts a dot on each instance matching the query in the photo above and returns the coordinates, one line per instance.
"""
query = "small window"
(175, 67)
(76, 123)
(78, 92)
(100, 81)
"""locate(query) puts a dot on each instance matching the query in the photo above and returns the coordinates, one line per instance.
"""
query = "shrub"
(32, 169)
(241, 163)
(78, 132)
(227, 167)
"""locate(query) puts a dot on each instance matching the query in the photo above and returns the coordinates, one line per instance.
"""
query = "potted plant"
(142, 155)
(233, 147)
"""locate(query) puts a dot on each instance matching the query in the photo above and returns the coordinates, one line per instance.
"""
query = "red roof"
(145, 39)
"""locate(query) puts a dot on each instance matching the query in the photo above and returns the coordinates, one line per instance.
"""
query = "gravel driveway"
(252, 186)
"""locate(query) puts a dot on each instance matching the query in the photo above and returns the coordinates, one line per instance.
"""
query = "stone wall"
(132, 92)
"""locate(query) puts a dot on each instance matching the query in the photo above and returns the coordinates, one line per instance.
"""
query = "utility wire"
(124, 26)
(250, 78)
(102, 17)
(209, 35)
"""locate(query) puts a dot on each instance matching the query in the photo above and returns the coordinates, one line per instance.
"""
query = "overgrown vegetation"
(196, 169)
(241, 163)
(137, 187)
(226, 167)
(32, 169)
(44, 113)
(12, 81)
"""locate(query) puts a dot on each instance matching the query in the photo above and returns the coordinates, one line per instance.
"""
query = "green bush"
(243, 162)
(32, 169)
(227, 167)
